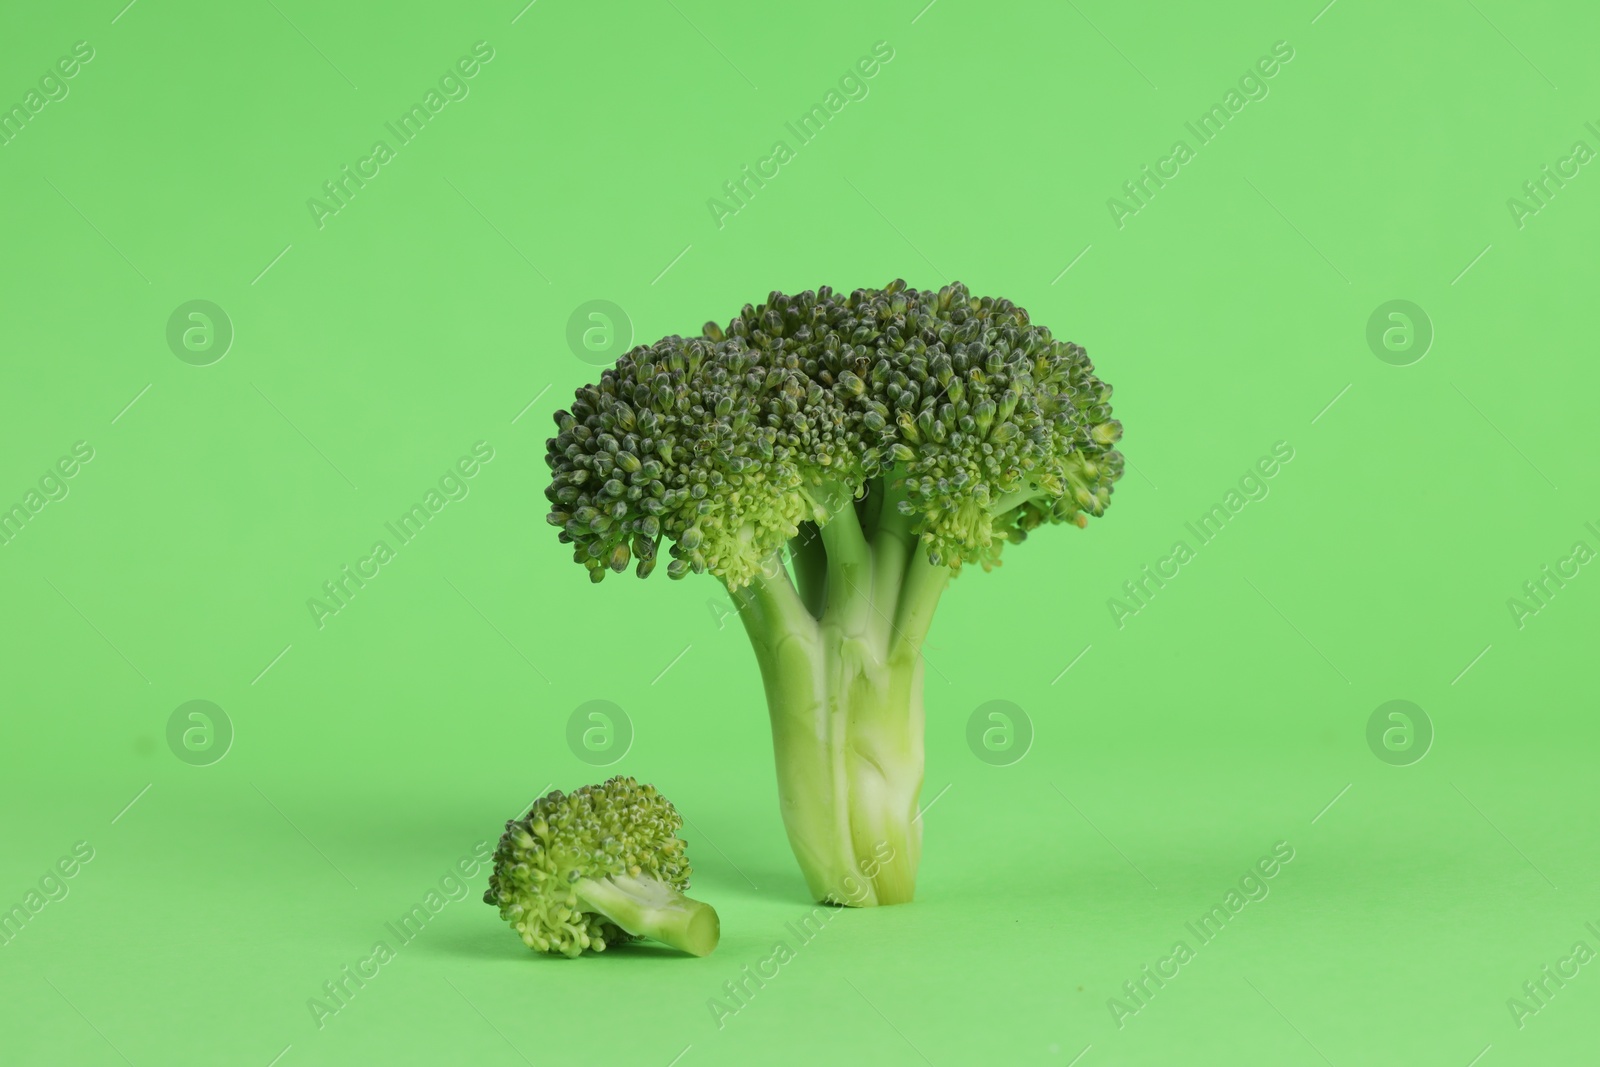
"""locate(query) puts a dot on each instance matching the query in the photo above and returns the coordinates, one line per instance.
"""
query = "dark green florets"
(977, 423)
(597, 831)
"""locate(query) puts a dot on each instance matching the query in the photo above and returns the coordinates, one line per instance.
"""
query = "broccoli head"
(833, 459)
(597, 866)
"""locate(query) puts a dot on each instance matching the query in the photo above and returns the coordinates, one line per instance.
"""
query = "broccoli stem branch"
(649, 908)
(807, 743)
(924, 583)
(849, 574)
(892, 544)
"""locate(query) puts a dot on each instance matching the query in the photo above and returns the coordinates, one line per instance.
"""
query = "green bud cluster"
(981, 424)
(597, 831)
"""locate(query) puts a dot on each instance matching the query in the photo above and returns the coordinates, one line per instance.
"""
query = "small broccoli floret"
(834, 459)
(597, 866)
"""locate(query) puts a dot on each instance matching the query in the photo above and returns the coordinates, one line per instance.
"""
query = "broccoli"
(598, 866)
(834, 459)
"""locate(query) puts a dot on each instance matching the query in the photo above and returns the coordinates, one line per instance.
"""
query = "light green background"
(372, 753)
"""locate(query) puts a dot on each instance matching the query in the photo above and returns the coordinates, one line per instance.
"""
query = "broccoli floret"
(833, 459)
(597, 866)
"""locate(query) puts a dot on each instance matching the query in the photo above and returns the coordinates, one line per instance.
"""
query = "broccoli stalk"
(645, 907)
(834, 460)
(840, 651)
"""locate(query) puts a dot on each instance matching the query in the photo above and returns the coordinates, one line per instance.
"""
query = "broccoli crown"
(980, 425)
(595, 832)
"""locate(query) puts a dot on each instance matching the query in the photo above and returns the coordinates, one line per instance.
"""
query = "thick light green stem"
(845, 697)
(883, 763)
(813, 793)
(649, 908)
(847, 731)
